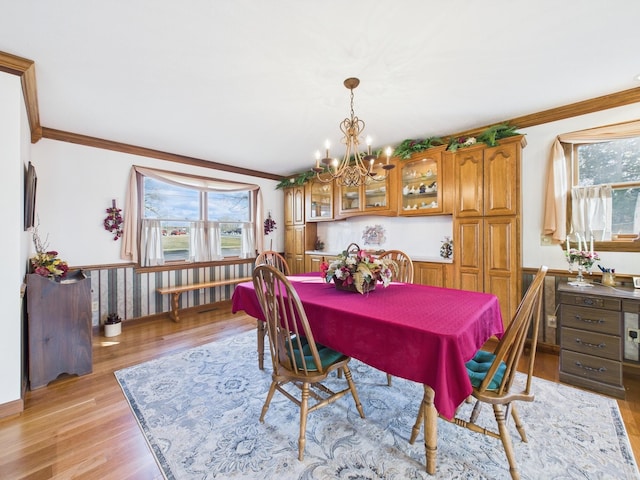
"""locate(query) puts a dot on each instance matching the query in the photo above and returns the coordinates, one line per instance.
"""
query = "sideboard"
(598, 334)
(59, 327)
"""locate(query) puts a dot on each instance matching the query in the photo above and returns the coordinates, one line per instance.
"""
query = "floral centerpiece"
(581, 260)
(46, 262)
(356, 268)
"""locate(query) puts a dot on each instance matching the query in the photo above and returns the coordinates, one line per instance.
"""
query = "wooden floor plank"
(82, 427)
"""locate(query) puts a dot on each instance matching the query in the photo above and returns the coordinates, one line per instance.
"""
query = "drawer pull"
(591, 369)
(589, 320)
(593, 301)
(591, 345)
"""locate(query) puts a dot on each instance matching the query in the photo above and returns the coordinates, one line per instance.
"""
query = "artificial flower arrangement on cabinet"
(581, 260)
(408, 147)
(357, 270)
(46, 262)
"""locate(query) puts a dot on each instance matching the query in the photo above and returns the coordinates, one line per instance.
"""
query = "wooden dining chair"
(298, 361)
(492, 375)
(273, 258)
(402, 265)
(402, 272)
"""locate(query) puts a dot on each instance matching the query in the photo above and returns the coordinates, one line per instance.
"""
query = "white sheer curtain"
(591, 211)
(558, 173)
(131, 241)
(205, 244)
(248, 241)
(151, 253)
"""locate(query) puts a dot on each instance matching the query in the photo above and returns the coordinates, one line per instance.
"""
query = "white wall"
(534, 173)
(77, 183)
(11, 199)
(420, 237)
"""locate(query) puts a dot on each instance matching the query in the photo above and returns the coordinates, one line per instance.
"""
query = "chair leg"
(518, 423)
(261, 331)
(304, 410)
(388, 380)
(506, 441)
(352, 387)
(272, 390)
(416, 426)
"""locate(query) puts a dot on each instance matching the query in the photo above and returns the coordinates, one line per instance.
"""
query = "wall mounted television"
(30, 184)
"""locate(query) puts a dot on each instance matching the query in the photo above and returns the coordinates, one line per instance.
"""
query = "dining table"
(421, 333)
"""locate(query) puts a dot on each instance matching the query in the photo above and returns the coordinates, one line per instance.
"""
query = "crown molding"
(26, 70)
(88, 141)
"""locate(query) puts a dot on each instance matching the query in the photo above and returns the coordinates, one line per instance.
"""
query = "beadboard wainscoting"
(133, 294)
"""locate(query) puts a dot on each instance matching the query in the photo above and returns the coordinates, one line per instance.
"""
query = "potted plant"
(112, 325)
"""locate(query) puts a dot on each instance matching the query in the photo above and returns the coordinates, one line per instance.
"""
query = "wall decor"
(374, 235)
(113, 222)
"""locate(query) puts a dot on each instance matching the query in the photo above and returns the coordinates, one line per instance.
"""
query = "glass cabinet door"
(420, 188)
(376, 192)
(319, 201)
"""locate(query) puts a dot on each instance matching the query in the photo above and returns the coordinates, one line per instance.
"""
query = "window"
(614, 166)
(178, 209)
(178, 218)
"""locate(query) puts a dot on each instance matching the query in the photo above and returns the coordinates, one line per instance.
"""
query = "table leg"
(430, 429)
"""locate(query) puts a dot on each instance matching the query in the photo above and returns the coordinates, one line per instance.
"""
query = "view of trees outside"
(176, 206)
(615, 162)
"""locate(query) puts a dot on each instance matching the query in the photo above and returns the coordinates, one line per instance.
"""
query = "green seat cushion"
(478, 367)
(326, 354)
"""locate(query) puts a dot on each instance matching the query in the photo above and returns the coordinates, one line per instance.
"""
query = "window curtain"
(151, 253)
(591, 211)
(558, 176)
(201, 249)
(248, 241)
(132, 225)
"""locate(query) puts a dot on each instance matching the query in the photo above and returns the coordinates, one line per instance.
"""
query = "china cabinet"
(432, 273)
(298, 236)
(59, 327)
(314, 260)
(319, 201)
(486, 221)
(423, 187)
(377, 196)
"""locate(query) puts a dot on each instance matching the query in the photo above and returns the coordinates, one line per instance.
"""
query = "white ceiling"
(258, 84)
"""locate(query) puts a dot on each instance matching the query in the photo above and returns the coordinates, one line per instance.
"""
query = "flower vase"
(340, 285)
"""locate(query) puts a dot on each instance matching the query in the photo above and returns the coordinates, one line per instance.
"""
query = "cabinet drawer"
(591, 343)
(589, 301)
(590, 367)
(592, 319)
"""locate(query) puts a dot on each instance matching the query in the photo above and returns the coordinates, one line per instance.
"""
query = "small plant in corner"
(112, 319)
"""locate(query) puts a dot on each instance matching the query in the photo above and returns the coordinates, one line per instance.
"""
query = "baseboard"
(10, 409)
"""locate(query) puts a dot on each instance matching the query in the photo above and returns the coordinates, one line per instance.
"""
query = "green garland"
(408, 147)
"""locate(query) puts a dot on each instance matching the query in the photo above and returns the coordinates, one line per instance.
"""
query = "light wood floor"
(82, 427)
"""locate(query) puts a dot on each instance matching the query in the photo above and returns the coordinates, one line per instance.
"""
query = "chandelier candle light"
(355, 168)
(581, 259)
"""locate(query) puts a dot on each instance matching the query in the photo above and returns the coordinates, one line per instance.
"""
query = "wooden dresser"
(594, 328)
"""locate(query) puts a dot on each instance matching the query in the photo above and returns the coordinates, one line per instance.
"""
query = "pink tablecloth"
(421, 333)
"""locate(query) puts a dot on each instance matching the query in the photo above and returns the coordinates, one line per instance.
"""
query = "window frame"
(624, 243)
(134, 204)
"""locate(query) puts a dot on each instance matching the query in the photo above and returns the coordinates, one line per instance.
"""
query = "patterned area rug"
(199, 411)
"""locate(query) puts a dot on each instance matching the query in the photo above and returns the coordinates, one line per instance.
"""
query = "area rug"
(199, 411)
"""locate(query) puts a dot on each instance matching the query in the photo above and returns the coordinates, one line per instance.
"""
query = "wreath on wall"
(113, 222)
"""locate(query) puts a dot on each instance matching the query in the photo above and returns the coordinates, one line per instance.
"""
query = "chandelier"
(355, 168)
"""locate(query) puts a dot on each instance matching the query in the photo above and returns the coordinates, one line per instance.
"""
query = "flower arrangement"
(269, 225)
(113, 222)
(581, 258)
(357, 268)
(46, 262)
